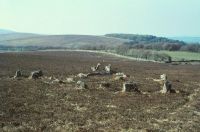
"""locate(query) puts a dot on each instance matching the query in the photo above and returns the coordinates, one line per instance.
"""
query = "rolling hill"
(5, 31)
(65, 41)
(29, 41)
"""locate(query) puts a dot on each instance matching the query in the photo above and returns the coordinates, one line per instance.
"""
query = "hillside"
(4, 31)
(15, 36)
(65, 41)
(46, 105)
(123, 42)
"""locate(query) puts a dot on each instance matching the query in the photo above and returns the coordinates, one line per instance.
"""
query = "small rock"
(108, 69)
(129, 87)
(18, 73)
(95, 68)
(119, 78)
(58, 81)
(50, 78)
(70, 80)
(104, 85)
(81, 85)
(119, 74)
(36, 74)
(167, 87)
(82, 75)
(163, 77)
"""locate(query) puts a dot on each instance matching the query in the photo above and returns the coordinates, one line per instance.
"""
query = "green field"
(180, 55)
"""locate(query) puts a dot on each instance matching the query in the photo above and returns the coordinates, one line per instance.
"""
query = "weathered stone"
(18, 73)
(36, 74)
(165, 84)
(95, 68)
(82, 75)
(58, 81)
(108, 69)
(167, 87)
(130, 87)
(119, 74)
(104, 85)
(50, 78)
(163, 77)
(81, 85)
(119, 78)
(70, 80)
(94, 74)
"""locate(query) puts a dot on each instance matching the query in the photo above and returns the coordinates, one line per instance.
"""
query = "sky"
(98, 17)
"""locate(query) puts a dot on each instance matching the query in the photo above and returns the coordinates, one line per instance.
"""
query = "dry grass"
(32, 105)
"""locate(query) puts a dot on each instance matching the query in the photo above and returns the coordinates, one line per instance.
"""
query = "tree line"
(155, 43)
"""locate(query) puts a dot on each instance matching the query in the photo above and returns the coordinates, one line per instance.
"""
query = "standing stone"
(81, 85)
(130, 87)
(167, 87)
(95, 68)
(36, 74)
(108, 69)
(165, 84)
(18, 73)
(104, 85)
(70, 80)
(163, 77)
(121, 76)
(82, 75)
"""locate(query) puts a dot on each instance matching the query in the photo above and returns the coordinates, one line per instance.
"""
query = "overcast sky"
(98, 17)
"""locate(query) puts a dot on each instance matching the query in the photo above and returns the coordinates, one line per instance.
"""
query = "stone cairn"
(165, 84)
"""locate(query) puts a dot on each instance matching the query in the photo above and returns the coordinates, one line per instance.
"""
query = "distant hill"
(187, 39)
(65, 41)
(28, 41)
(15, 36)
(4, 31)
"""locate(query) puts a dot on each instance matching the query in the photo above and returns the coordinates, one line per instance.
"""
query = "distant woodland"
(155, 43)
(138, 46)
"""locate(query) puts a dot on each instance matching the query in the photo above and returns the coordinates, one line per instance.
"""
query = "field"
(33, 105)
(180, 55)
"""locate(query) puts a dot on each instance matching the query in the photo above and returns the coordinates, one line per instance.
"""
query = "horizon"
(171, 37)
(160, 18)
